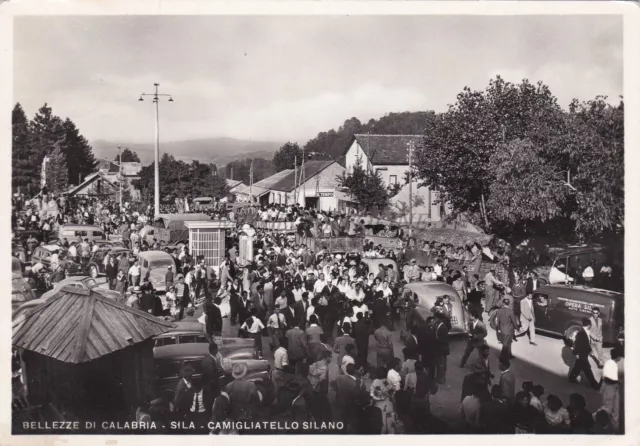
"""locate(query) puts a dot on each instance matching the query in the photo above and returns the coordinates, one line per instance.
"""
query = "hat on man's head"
(137, 290)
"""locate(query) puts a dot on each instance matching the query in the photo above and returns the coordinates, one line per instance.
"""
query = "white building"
(389, 156)
(319, 188)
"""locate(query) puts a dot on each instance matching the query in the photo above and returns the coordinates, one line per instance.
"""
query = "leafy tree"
(287, 156)
(180, 180)
(80, 159)
(56, 171)
(128, 156)
(511, 159)
(25, 171)
(365, 187)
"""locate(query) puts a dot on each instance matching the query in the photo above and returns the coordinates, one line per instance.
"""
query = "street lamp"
(156, 99)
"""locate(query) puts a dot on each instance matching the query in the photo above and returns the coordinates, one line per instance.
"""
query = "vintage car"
(194, 333)
(169, 360)
(424, 295)
(71, 232)
(43, 254)
(155, 264)
(96, 265)
(87, 283)
(559, 310)
(565, 265)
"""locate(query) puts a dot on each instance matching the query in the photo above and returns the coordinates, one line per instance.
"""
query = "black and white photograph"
(318, 224)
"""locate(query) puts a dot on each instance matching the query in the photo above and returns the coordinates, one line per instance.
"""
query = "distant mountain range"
(219, 151)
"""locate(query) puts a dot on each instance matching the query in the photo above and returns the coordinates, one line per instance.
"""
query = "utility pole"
(295, 178)
(250, 181)
(120, 173)
(156, 99)
(410, 189)
(303, 180)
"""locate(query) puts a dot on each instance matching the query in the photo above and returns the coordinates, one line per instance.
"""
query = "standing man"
(477, 335)
(490, 291)
(384, 345)
(505, 322)
(168, 277)
(111, 271)
(507, 380)
(213, 321)
(532, 284)
(596, 337)
(441, 348)
(582, 349)
(527, 319)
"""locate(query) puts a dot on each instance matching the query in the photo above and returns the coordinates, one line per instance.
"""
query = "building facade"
(388, 155)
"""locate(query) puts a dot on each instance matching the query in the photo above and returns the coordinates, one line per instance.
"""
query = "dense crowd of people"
(313, 308)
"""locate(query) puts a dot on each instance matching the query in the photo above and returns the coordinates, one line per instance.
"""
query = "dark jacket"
(478, 333)
(506, 321)
(581, 345)
(210, 380)
(529, 289)
(214, 316)
(111, 271)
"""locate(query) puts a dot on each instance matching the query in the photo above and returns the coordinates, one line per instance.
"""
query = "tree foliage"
(24, 168)
(40, 137)
(502, 157)
(128, 156)
(181, 180)
(78, 153)
(57, 173)
(366, 187)
(287, 157)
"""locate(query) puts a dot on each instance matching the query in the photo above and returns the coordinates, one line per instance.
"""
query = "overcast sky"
(288, 78)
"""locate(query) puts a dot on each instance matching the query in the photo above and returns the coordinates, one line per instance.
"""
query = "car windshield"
(161, 263)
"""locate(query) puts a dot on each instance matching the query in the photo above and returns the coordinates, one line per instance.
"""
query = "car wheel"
(571, 332)
(93, 271)
(268, 393)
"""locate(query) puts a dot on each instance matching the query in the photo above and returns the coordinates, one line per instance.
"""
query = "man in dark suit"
(292, 314)
(481, 367)
(532, 284)
(111, 271)
(210, 376)
(183, 396)
(477, 335)
(582, 349)
(213, 324)
(351, 397)
(507, 381)
(300, 308)
(505, 322)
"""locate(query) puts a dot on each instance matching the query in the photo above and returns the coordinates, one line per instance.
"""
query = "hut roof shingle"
(77, 326)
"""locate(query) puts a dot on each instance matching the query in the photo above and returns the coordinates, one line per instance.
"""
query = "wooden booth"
(89, 357)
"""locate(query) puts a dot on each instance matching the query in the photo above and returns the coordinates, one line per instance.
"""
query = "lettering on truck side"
(582, 307)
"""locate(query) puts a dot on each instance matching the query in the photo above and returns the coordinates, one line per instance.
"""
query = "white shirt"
(280, 358)
(587, 273)
(437, 269)
(275, 318)
(134, 270)
(346, 360)
(610, 370)
(361, 309)
(256, 326)
(319, 285)
(394, 379)
(297, 294)
(73, 251)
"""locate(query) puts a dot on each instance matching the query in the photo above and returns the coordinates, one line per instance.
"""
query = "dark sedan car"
(171, 357)
(96, 262)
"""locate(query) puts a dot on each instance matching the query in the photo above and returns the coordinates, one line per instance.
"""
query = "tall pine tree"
(79, 154)
(25, 171)
(47, 135)
(57, 172)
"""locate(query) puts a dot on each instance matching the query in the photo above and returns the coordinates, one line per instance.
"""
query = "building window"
(393, 179)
